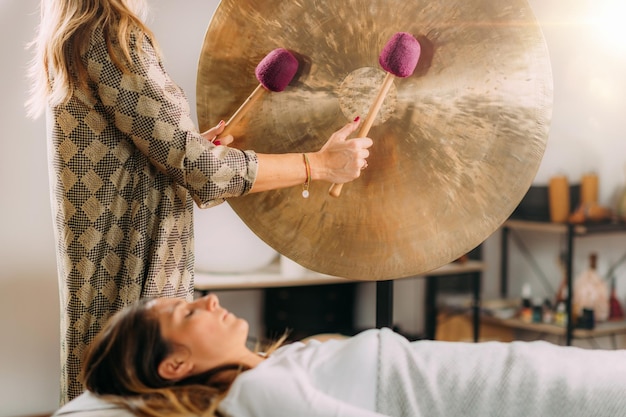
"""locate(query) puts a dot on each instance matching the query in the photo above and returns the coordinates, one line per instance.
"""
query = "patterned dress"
(126, 163)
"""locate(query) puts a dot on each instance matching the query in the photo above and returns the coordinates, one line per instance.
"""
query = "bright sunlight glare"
(610, 24)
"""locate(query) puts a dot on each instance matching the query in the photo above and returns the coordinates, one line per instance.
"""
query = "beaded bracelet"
(305, 186)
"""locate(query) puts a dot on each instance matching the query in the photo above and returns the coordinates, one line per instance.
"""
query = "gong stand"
(384, 304)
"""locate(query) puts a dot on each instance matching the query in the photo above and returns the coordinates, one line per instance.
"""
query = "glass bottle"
(615, 308)
(560, 316)
(526, 311)
(591, 292)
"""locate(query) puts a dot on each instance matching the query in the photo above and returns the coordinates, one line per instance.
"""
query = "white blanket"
(519, 379)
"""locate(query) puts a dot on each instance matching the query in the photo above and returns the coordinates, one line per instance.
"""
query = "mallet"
(399, 58)
(274, 73)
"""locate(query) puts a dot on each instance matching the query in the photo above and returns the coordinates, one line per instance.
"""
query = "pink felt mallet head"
(400, 55)
(398, 58)
(277, 69)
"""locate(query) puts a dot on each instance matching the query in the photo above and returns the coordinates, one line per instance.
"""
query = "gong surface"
(456, 145)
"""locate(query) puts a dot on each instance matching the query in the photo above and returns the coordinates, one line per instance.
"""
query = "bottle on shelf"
(537, 310)
(615, 308)
(561, 292)
(547, 312)
(591, 292)
(560, 316)
(526, 311)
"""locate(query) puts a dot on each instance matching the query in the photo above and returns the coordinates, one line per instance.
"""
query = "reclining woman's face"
(205, 335)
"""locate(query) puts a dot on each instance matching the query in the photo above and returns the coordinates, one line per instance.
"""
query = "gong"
(456, 145)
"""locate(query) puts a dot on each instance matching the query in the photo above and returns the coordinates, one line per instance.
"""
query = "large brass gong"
(456, 145)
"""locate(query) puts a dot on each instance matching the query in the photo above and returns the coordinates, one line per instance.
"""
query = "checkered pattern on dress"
(126, 163)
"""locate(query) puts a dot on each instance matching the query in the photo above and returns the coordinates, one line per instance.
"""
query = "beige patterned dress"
(126, 164)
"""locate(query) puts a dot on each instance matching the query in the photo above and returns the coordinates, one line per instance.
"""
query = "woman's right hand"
(212, 135)
(341, 160)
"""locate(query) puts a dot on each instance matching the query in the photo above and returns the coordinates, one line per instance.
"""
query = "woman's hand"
(341, 159)
(212, 134)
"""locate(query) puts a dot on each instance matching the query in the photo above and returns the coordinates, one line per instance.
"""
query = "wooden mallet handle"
(241, 111)
(335, 189)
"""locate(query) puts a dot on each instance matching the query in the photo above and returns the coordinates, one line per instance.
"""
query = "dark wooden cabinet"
(308, 310)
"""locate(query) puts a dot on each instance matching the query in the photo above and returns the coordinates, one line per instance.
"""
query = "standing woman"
(127, 162)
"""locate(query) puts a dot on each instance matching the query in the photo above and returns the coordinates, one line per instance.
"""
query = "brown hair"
(122, 364)
(57, 69)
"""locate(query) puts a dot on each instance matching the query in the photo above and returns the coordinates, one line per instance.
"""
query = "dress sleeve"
(153, 112)
(285, 393)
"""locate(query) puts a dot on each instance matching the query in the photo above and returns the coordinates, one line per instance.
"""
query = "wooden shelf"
(271, 277)
(264, 278)
(607, 328)
(577, 229)
(455, 268)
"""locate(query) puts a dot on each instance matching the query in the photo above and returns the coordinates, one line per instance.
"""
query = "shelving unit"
(472, 270)
(571, 232)
(608, 329)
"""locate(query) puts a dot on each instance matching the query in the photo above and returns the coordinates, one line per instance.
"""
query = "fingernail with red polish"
(356, 119)
(217, 142)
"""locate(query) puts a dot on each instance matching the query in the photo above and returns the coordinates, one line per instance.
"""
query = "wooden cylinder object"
(589, 189)
(559, 199)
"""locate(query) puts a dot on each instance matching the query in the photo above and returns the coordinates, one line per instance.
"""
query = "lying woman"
(172, 357)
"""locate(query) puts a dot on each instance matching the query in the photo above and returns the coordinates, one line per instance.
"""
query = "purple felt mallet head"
(400, 55)
(277, 69)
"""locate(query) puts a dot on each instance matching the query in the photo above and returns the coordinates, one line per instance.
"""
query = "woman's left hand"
(212, 135)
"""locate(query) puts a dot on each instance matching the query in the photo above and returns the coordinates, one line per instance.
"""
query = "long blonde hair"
(57, 69)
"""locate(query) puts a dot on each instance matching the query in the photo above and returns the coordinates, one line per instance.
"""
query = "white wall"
(29, 352)
(587, 134)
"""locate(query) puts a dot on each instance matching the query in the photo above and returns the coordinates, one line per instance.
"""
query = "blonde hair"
(57, 69)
